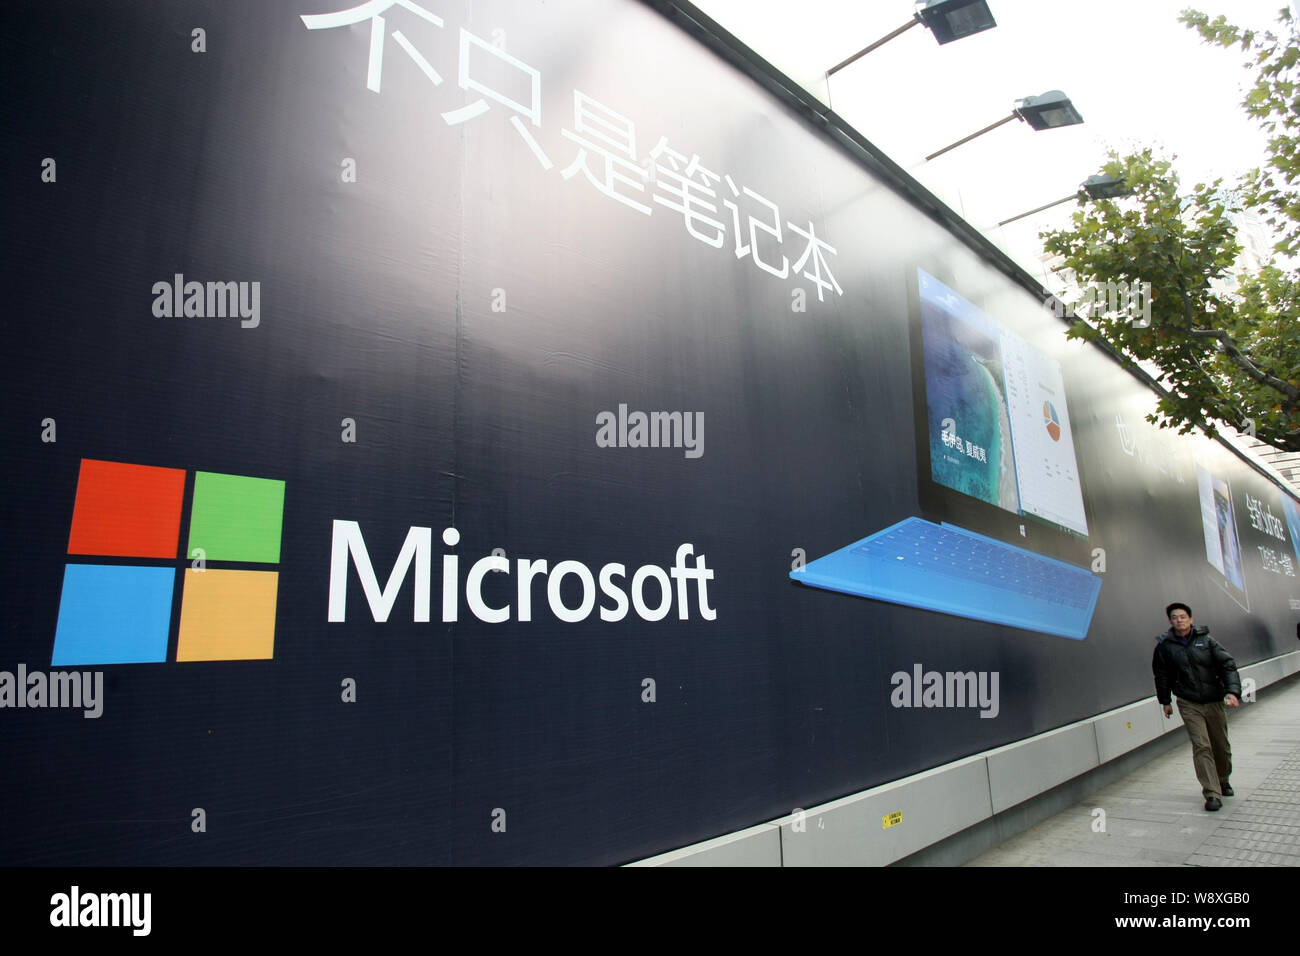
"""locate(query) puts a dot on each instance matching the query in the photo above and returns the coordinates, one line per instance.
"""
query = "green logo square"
(235, 518)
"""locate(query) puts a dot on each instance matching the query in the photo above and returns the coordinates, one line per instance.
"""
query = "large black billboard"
(476, 433)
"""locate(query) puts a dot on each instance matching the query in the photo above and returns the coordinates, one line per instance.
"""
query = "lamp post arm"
(1039, 209)
(992, 126)
(881, 42)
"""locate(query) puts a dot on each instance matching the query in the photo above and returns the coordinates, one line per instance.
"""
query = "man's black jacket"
(1200, 672)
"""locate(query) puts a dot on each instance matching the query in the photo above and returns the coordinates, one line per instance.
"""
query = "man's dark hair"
(1169, 611)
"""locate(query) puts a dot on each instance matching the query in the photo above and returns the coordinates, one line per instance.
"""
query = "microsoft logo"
(121, 612)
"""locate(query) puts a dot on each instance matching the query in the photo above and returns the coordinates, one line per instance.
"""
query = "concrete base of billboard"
(1000, 828)
(947, 815)
(756, 846)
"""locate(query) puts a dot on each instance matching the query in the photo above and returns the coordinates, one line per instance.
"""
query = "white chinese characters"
(604, 147)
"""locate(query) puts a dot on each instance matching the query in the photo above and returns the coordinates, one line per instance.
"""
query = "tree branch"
(1230, 349)
(1252, 370)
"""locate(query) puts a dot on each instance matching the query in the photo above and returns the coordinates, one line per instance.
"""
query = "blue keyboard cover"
(948, 569)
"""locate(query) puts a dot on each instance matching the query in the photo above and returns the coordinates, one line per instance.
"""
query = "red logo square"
(127, 510)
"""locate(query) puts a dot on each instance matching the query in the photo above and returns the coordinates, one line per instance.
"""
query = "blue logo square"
(113, 614)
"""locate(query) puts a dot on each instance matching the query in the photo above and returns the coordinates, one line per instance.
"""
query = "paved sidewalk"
(1155, 816)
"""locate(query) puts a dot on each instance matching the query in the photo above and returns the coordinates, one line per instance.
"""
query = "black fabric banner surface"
(414, 413)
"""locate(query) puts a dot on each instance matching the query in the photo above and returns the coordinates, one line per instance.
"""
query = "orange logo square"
(227, 615)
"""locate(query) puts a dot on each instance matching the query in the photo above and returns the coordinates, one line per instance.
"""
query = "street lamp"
(1095, 187)
(1106, 187)
(948, 20)
(1046, 111)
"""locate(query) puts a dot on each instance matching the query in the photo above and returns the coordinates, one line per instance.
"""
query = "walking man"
(1199, 672)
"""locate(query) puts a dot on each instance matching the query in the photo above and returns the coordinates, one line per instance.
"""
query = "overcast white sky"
(1137, 75)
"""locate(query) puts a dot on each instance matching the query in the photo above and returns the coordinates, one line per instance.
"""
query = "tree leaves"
(1227, 343)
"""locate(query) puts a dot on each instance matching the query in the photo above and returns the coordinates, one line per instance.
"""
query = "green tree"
(1225, 353)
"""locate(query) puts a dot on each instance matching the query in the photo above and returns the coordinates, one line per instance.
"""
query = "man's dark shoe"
(1213, 803)
(1228, 791)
